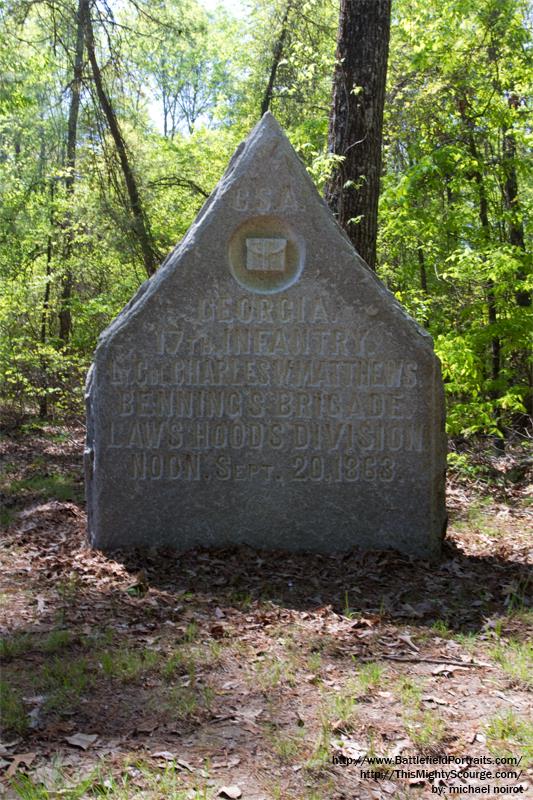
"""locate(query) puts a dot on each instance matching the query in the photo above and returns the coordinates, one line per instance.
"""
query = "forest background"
(111, 142)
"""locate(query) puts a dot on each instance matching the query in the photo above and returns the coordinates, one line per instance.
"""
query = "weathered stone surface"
(264, 387)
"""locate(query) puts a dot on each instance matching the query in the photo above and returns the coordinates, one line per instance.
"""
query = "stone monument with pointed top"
(264, 387)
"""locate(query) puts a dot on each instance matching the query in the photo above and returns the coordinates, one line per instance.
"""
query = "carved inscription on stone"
(213, 408)
(266, 254)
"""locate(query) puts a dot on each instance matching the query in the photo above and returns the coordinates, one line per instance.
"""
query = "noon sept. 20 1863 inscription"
(264, 387)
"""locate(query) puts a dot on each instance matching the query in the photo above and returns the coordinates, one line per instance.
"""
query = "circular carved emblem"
(265, 254)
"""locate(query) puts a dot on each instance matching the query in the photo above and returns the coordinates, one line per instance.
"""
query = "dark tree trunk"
(65, 316)
(422, 268)
(356, 121)
(492, 311)
(277, 54)
(43, 402)
(510, 191)
(140, 223)
(516, 238)
(423, 278)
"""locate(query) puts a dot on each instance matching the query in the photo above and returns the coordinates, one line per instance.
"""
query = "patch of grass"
(288, 746)
(516, 596)
(191, 633)
(522, 614)
(169, 784)
(185, 701)
(63, 786)
(462, 465)
(314, 663)
(510, 734)
(16, 645)
(22, 643)
(125, 664)
(157, 783)
(25, 789)
(186, 658)
(272, 672)
(57, 436)
(7, 516)
(215, 651)
(321, 754)
(179, 663)
(12, 710)
(410, 693)
(516, 660)
(55, 486)
(425, 729)
(370, 676)
(56, 640)
(468, 641)
(347, 611)
(441, 628)
(240, 598)
(65, 681)
(340, 708)
(478, 518)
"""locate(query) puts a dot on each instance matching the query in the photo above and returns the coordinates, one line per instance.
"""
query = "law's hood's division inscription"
(264, 387)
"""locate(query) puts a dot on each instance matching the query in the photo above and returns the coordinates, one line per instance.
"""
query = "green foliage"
(65, 681)
(456, 134)
(55, 486)
(12, 711)
(509, 733)
(127, 665)
(516, 660)
(186, 85)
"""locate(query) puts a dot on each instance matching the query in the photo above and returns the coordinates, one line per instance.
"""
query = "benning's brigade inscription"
(258, 389)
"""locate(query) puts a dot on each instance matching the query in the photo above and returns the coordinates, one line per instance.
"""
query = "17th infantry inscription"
(264, 387)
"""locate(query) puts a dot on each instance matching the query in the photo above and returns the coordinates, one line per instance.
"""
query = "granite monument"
(264, 387)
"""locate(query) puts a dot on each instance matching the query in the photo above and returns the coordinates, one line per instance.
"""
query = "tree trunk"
(516, 238)
(43, 401)
(423, 278)
(65, 316)
(510, 192)
(422, 269)
(277, 54)
(140, 223)
(356, 121)
(492, 311)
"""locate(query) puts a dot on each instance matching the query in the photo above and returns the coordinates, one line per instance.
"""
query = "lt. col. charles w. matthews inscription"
(264, 387)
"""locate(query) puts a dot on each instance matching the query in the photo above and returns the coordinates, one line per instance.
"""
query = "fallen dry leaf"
(165, 754)
(429, 698)
(231, 792)
(22, 758)
(447, 669)
(147, 726)
(83, 740)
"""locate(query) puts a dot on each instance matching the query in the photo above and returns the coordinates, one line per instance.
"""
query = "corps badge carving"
(265, 255)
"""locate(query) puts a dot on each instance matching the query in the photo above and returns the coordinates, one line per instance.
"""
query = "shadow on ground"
(460, 590)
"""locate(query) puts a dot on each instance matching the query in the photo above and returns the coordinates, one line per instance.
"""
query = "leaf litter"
(243, 660)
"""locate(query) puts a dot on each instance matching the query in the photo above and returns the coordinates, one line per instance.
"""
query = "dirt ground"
(237, 673)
